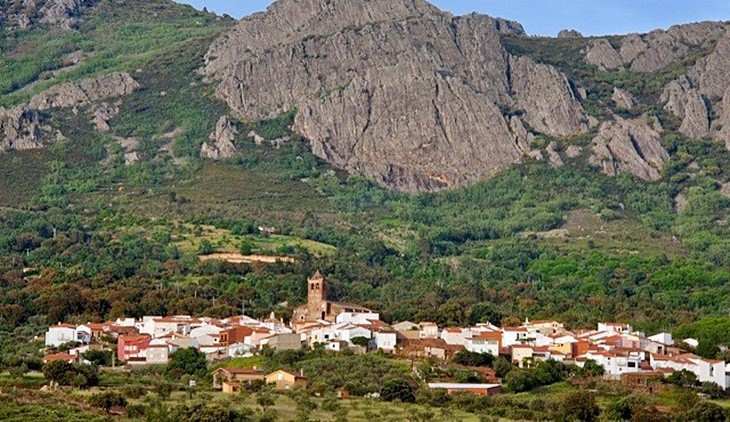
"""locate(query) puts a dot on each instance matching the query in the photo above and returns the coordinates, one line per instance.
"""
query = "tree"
(591, 368)
(397, 389)
(58, 371)
(265, 401)
(361, 341)
(683, 378)
(18, 371)
(99, 357)
(467, 358)
(502, 367)
(706, 412)
(107, 400)
(188, 361)
(707, 349)
(205, 248)
(246, 248)
(163, 389)
(579, 406)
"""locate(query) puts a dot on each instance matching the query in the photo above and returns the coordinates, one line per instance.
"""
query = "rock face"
(84, 92)
(656, 50)
(397, 91)
(701, 97)
(20, 129)
(632, 146)
(222, 141)
(64, 14)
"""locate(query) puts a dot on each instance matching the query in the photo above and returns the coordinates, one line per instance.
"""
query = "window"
(632, 364)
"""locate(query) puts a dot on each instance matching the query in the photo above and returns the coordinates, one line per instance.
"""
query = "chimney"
(301, 372)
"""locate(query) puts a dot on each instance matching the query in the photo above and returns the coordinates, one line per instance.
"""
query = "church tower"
(316, 297)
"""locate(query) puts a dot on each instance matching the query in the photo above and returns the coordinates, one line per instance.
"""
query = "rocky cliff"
(21, 126)
(64, 14)
(400, 92)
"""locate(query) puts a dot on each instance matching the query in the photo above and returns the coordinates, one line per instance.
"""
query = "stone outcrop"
(222, 138)
(397, 91)
(569, 33)
(656, 50)
(84, 92)
(622, 99)
(20, 129)
(64, 14)
(102, 114)
(632, 146)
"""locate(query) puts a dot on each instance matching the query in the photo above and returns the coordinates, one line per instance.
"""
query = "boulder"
(20, 129)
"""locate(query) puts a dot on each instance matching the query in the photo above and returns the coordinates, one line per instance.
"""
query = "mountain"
(417, 99)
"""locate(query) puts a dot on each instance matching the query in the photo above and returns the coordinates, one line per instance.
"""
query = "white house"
(483, 343)
(514, 335)
(454, 336)
(707, 370)
(205, 330)
(385, 340)
(615, 364)
(64, 333)
(349, 332)
(615, 327)
(428, 330)
(357, 318)
(663, 338)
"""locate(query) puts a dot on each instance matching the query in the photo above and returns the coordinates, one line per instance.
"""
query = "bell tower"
(316, 297)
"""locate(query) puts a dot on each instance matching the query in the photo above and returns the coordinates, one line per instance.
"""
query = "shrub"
(397, 389)
(579, 406)
(107, 400)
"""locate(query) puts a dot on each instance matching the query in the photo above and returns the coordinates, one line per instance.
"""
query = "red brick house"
(132, 346)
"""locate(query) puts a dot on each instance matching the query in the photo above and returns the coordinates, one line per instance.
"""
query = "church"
(318, 307)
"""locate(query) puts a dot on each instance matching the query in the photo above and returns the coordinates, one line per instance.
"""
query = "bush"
(136, 411)
(579, 406)
(107, 400)
(134, 391)
(706, 412)
(188, 361)
(683, 378)
(398, 389)
(468, 358)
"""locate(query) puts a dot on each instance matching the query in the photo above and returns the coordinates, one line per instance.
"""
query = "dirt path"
(237, 258)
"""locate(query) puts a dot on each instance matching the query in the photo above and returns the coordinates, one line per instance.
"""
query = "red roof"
(133, 338)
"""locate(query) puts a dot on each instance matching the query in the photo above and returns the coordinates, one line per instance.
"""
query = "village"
(625, 354)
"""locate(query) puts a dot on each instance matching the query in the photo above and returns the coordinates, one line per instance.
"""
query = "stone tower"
(316, 297)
